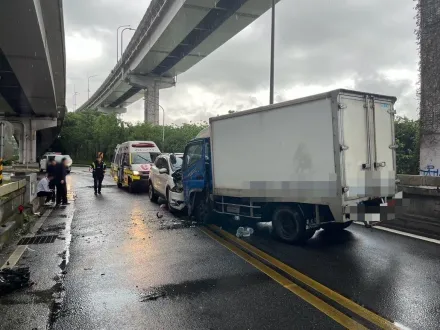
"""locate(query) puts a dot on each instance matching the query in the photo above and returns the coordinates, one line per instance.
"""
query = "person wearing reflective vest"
(98, 168)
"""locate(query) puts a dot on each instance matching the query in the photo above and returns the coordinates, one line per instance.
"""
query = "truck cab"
(197, 177)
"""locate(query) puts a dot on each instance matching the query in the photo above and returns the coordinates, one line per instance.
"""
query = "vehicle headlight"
(135, 172)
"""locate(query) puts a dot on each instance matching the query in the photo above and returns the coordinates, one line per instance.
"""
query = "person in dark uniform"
(98, 168)
(60, 181)
(51, 173)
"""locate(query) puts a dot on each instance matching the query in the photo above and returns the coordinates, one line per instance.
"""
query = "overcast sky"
(321, 45)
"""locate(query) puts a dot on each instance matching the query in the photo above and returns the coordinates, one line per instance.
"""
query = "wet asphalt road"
(119, 266)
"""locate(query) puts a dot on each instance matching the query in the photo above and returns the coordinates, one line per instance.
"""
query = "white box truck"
(316, 162)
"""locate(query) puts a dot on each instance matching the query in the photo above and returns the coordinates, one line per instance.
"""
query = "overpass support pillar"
(152, 85)
(25, 129)
(151, 104)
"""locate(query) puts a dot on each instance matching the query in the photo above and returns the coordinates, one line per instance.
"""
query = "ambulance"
(132, 163)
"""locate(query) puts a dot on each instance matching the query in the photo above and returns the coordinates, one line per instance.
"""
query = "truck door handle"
(379, 164)
(366, 166)
(199, 177)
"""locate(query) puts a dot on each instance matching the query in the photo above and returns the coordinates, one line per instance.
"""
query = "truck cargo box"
(335, 149)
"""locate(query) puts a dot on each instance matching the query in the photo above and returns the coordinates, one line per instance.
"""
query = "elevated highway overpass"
(173, 36)
(32, 72)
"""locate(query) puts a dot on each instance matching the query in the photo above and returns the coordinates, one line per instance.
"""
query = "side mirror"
(163, 171)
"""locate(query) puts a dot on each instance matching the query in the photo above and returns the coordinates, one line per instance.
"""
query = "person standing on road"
(51, 172)
(60, 181)
(43, 189)
(98, 168)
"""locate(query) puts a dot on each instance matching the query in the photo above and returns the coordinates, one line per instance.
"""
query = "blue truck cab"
(197, 177)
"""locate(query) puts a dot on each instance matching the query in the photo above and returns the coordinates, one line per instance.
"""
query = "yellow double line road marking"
(332, 312)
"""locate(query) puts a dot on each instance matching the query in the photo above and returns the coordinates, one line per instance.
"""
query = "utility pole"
(272, 54)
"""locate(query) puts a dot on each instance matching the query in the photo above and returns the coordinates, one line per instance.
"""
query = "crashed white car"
(162, 183)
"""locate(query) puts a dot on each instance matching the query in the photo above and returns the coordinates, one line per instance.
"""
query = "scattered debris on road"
(153, 295)
(11, 280)
(244, 232)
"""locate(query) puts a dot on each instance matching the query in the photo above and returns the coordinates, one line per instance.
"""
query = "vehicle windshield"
(178, 164)
(143, 157)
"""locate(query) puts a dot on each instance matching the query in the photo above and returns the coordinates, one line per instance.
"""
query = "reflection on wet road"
(130, 269)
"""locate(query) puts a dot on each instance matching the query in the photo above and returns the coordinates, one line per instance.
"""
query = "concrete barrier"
(420, 212)
(22, 191)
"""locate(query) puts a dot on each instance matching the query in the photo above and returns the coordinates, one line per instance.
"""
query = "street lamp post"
(88, 85)
(163, 127)
(75, 93)
(117, 41)
(122, 38)
(272, 53)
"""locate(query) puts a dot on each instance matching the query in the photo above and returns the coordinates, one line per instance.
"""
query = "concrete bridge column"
(152, 85)
(151, 104)
(25, 129)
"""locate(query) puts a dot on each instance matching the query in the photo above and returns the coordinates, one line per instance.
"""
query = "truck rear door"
(384, 145)
(367, 150)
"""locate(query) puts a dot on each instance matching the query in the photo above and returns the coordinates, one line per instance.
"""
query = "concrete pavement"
(116, 265)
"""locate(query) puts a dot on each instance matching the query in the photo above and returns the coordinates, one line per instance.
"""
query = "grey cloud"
(346, 38)
(318, 43)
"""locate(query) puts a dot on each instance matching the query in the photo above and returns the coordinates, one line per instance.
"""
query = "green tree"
(408, 145)
(87, 132)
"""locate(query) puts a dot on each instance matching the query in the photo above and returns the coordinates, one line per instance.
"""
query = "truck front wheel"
(289, 225)
(202, 209)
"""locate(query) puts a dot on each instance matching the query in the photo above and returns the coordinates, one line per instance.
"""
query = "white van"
(58, 156)
(132, 163)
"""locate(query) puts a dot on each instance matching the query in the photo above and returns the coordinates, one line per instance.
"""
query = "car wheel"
(130, 187)
(152, 194)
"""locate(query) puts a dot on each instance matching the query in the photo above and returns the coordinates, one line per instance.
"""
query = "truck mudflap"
(375, 211)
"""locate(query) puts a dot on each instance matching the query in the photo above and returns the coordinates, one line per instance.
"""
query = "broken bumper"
(177, 201)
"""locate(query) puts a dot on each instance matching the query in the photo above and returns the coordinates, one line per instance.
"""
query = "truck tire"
(289, 225)
(152, 194)
(202, 210)
(336, 227)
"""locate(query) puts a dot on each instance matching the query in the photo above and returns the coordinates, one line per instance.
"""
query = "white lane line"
(398, 232)
(16, 255)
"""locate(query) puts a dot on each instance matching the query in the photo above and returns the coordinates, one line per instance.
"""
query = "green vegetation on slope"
(86, 133)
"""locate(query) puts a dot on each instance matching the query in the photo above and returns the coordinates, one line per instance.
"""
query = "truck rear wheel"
(289, 225)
